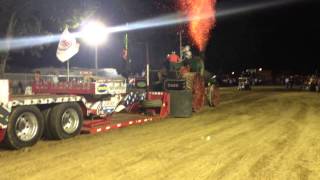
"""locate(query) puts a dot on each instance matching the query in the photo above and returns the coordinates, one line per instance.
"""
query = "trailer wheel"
(25, 127)
(47, 131)
(65, 120)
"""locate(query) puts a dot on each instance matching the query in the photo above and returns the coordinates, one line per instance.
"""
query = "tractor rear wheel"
(213, 96)
(198, 92)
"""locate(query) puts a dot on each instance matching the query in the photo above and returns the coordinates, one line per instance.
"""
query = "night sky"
(283, 38)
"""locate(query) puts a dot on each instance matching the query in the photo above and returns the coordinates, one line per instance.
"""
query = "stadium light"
(95, 33)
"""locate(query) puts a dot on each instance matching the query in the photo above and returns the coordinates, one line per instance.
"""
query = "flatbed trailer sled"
(64, 110)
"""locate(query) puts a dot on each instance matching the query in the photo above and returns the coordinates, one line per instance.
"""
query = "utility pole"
(68, 70)
(180, 42)
(148, 64)
(96, 59)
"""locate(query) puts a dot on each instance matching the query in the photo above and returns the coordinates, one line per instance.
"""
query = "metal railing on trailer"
(20, 81)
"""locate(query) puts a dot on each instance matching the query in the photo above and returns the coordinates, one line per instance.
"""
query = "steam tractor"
(188, 85)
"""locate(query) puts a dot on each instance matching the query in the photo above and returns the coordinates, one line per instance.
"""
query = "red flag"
(124, 54)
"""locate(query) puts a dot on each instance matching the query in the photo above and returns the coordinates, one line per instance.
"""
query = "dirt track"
(263, 134)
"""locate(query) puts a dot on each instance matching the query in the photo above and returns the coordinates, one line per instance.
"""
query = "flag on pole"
(125, 55)
(68, 46)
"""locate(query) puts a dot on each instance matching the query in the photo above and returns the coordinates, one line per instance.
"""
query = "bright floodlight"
(94, 33)
(260, 69)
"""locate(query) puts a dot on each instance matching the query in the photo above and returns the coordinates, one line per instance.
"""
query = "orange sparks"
(202, 19)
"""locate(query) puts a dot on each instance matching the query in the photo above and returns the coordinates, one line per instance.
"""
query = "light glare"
(100, 34)
(94, 33)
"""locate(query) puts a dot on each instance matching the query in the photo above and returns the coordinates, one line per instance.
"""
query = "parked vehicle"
(244, 83)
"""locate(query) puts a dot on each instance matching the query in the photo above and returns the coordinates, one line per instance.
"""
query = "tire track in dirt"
(288, 138)
(222, 150)
(251, 132)
(179, 143)
(304, 160)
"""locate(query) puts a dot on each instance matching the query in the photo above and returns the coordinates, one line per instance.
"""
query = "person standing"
(55, 78)
(286, 82)
(37, 77)
(291, 81)
(173, 59)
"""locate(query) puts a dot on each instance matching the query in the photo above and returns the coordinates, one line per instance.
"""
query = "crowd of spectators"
(297, 81)
(303, 82)
(233, 80)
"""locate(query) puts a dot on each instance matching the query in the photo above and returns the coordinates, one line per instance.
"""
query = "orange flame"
(202, 15)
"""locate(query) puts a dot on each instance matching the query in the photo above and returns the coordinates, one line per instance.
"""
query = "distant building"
(265, 75)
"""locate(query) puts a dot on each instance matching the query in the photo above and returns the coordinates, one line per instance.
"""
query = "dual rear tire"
(25, 127)
(64, 121)
(27, 124)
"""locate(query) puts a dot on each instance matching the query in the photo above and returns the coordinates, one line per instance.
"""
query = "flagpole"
(96, 58)
(67, 48)
(180, 43)
(68, 70)
(148, 65)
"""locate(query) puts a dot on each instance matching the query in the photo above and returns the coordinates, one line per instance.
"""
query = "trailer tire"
(152, 103)
(25, 127)
(47, 131)
(65, 120)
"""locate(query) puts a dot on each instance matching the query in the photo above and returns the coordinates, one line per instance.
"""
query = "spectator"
(286, 81)
(20, 88)
(55, 78)
(291, 81)
(37, 77)
(173, 59)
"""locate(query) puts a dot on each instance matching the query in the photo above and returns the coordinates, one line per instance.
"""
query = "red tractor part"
(114, 122)
(2, 134)
(164, 110)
